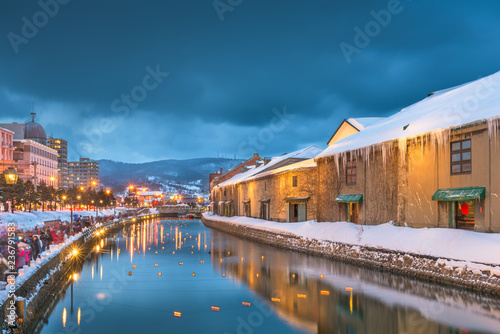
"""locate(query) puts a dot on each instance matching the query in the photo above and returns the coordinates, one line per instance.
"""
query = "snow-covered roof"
(306, 153)
(309, 163)
(362, 122)
(471, 102)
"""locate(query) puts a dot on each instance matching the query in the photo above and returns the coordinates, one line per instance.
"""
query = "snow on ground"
(28, 220)
(453, 244)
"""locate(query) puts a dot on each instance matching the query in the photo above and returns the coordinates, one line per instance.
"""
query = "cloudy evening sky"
(97, 70)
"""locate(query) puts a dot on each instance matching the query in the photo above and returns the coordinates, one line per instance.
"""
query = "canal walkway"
(431, 254)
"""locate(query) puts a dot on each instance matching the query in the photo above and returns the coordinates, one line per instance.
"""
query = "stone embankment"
(427, 268)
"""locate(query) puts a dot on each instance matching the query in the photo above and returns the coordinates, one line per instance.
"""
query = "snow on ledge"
(459, 245)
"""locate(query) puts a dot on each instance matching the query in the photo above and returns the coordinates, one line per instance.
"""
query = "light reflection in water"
(64, 317)
(349, 299)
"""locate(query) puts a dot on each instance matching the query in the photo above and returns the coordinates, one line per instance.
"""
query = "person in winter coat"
(50, 239)
(45, 241)
(55, 239)
(27, 256)
(20, 257)
(4, 268)
(37, 248)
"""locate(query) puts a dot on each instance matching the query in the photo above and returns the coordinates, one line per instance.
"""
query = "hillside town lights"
(11, 175)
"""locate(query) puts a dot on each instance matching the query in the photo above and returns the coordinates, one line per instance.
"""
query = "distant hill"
(174, 176)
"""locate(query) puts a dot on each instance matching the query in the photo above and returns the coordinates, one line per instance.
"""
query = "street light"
(11, 175)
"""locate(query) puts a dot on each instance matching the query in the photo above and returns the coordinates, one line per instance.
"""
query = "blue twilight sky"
(143, 80)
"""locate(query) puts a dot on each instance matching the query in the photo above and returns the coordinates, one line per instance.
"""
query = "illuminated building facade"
(83, 173)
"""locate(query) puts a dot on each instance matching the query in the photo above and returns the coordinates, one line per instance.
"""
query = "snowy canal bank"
(460, 258)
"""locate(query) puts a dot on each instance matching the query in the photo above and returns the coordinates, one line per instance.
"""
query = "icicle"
(337, 163)
(384, 157)
(367, 155)
(402, 148)
(493, 124)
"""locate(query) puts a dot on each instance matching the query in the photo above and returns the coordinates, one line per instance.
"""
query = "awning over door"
(264, 200)
(299, 199)
(246, 201)
(349, 198)
(459, 194)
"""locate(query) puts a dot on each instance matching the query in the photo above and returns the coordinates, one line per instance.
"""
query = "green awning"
(349, 198)
(459, 194)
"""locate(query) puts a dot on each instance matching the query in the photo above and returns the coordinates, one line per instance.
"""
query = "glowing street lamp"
(94, 183)
(11, 175)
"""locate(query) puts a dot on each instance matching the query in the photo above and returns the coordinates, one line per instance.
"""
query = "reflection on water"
(156, 277)
(329, 297)
(179, 277)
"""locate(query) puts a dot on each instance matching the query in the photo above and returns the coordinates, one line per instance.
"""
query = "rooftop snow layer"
(309, 163)
(363, 122)
(474, 101)
(306, 153)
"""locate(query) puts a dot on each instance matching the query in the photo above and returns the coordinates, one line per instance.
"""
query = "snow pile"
(468, 103)
(28, 220)
(465, 246)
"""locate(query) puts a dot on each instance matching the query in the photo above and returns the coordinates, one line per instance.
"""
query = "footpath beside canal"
(476, 276)
(34, 294)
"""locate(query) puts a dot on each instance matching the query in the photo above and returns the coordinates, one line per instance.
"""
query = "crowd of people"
(29, 245)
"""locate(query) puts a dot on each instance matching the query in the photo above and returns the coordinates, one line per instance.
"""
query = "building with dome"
(33, 159)
(34, 131)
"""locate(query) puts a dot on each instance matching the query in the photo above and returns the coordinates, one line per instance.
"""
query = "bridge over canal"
(180, 210)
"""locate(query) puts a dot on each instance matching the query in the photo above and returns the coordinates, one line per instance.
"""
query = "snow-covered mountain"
(189, 177)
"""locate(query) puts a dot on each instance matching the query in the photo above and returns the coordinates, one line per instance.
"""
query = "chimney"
(220, 171)
(256, 155)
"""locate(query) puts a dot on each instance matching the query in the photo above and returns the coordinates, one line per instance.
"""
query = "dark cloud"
(226, 77)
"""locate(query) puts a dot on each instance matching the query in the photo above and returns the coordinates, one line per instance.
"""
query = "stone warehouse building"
(272, 191)
(220, 176)
(432, 164)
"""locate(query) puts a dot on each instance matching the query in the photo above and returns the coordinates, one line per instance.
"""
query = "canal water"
(176, 276)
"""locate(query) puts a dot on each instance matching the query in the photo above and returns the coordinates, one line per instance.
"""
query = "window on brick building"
(351, 177)
(461, 159)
